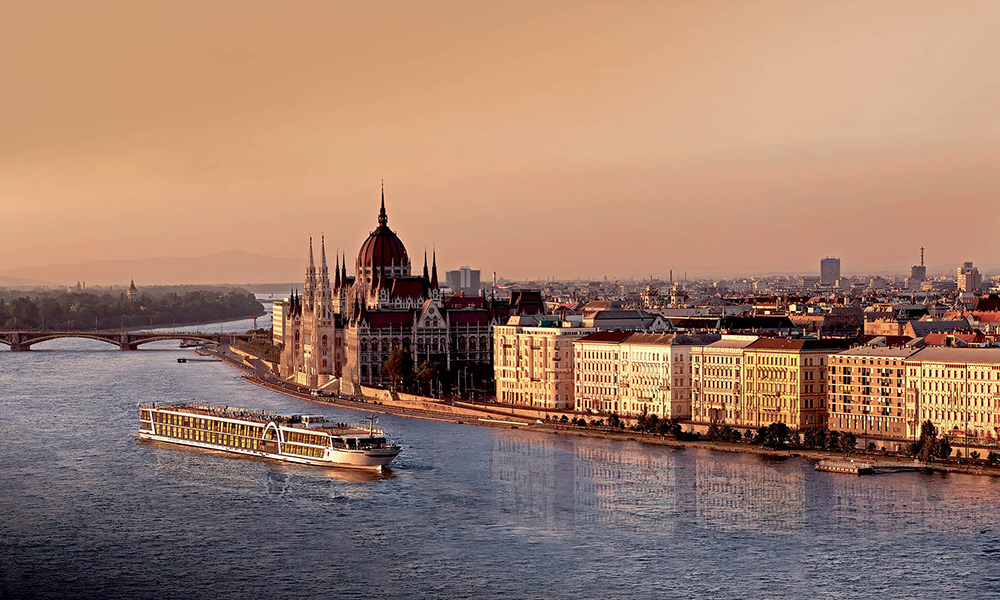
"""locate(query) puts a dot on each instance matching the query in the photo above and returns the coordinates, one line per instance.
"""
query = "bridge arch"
(173, 336)
(108, 339)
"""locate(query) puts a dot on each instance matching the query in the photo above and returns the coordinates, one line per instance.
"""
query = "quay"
(486, 418)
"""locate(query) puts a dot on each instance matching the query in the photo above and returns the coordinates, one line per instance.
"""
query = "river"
(466, 512)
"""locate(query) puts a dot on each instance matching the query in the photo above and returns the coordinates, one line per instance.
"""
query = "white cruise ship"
(305, 439)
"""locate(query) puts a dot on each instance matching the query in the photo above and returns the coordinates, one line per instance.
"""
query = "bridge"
(21, 340)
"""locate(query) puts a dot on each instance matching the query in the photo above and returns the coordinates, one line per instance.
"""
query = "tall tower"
(829, 270)
(325, 296)
(309, 289)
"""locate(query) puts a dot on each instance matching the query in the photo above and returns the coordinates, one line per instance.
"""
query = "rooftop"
(958, 355)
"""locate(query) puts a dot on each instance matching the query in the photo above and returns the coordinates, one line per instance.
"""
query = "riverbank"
(487, 418)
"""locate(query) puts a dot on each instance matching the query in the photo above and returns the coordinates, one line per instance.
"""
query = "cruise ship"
(304, 439)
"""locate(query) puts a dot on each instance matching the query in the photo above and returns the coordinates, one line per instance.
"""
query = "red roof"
(408, 287)
(386, 319)
(469, 317)
(613, 337)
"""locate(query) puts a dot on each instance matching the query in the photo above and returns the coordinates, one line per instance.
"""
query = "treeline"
(78, 310)
(777, 436)
(432, 377)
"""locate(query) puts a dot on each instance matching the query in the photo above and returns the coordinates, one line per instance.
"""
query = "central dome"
(383, 249)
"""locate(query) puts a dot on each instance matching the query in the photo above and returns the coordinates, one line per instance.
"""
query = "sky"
(534, 139)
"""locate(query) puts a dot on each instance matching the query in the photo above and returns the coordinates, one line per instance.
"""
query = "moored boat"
(304, 439)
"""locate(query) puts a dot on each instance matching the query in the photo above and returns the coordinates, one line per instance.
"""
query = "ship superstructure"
(306, 439)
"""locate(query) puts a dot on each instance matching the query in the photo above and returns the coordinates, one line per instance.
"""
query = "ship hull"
(350, 459)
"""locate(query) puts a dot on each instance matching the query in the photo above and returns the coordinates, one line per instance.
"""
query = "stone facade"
(867, 393)
(786, 381)
(533, 361)
(718, 381)
(341, 330)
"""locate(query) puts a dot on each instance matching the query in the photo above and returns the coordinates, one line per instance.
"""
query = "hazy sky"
(534, 139)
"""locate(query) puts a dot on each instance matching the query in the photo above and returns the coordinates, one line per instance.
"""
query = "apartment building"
(533, 361)
(867, 393)
(958, 390)
(631, 374)
(717, 381)
(785, 381)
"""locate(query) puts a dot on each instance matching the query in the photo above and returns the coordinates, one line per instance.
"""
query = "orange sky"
(534, 139)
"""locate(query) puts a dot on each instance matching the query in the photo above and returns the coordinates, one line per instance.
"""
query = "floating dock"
(849, 467)
(864, 467)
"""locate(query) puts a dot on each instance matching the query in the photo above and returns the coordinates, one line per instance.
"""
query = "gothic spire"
(343, 271)
(322, 252)
(426, 276)
(382, 218)
(312, 263)
(434, 271)
(336, 274)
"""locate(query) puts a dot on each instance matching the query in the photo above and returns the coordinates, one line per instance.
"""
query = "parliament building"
(339, 332)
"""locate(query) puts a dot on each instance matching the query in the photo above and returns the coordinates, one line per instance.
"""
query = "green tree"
(847, 442)
(816, 438)
(399, 366)
(425, 375)
(774, 436)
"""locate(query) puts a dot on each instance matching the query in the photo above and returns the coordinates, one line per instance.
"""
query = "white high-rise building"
(968, 278)
(829, 270)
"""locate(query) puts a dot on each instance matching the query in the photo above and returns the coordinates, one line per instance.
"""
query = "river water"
(86, 510)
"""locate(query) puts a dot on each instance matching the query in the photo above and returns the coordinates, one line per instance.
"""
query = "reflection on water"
(745, 493)
(216, 468)
(625, 485)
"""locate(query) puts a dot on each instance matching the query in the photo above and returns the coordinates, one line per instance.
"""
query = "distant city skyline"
(529, 139)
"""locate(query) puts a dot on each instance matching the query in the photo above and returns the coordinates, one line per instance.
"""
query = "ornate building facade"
(340, 332)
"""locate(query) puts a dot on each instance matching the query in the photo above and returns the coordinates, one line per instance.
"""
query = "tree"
(992, 457)
(425, 375)
(929, 446)
(399, 366)
(816, 438)
(943, 448)
(974, 455)
(848, 441)
(774, 436)
(614, 421)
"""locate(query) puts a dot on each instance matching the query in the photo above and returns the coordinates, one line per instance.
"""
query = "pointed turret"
(336, 274)
(382, 218)
(309, 289)
(343, 271)
(434, 271)
(322, 252)
(426, 275)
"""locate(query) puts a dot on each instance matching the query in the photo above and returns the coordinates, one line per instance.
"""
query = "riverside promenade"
(467, 414)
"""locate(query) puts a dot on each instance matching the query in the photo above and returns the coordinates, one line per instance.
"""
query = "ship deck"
(314, 423)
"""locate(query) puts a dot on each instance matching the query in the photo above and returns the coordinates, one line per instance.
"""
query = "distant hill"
(234, 267)
(22, 283)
